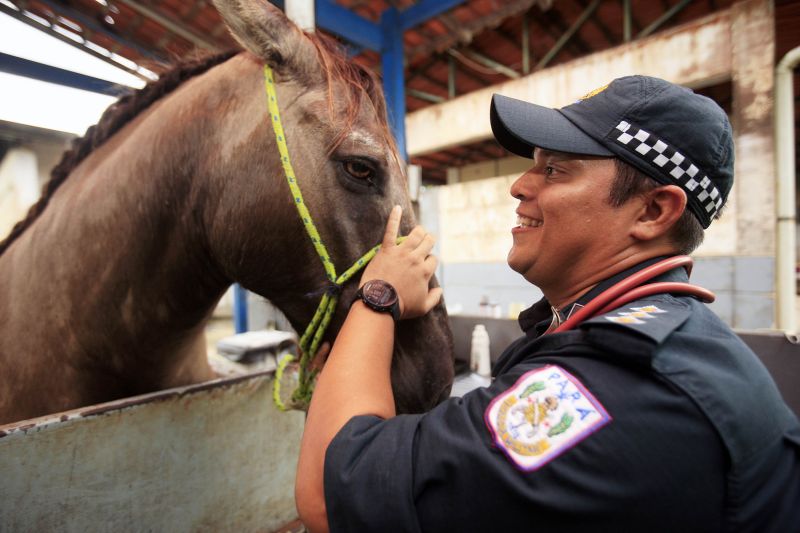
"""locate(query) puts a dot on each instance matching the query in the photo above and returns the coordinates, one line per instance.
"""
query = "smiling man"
(645, 414)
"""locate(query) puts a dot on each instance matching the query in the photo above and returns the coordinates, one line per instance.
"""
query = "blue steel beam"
(393, 76)
(39, 71)
(424, 10)
(239, 308)
(91, 24)
(347, 24)
(386, 38)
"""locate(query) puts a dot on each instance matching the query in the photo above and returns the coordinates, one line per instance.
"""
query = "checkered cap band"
(672, 163)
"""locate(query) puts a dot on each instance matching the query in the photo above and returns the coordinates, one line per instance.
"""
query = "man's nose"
(522, 188)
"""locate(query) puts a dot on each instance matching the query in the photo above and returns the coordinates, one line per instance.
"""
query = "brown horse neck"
(119, 260)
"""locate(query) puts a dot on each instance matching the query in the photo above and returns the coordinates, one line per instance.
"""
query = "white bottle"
(479, 359)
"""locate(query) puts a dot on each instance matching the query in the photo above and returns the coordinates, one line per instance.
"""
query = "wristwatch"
(379, 296)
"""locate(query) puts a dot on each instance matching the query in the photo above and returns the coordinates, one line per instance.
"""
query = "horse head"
(345, 164)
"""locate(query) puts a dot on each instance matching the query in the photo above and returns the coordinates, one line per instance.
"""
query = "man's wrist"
(361, 307)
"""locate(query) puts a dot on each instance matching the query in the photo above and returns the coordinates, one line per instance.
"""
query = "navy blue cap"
(666, 131)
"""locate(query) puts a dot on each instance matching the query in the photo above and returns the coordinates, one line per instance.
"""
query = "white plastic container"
(479, 359)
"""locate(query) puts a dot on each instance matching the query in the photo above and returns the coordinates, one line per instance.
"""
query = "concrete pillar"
(752, 73)
(301, 12)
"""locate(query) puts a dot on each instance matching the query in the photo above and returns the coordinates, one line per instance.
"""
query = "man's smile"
(527, 222)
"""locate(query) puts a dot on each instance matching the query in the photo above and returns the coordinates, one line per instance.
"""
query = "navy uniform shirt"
(653, 417)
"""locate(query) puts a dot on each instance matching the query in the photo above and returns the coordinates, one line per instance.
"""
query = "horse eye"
(359, 170)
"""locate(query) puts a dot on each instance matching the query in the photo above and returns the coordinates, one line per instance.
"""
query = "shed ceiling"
(474, 45)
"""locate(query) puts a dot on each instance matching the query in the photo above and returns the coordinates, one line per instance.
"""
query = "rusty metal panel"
(216, 456)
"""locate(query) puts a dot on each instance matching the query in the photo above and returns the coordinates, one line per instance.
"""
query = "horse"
(178, 192)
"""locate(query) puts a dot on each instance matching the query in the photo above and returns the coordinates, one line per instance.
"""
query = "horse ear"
(265, 31)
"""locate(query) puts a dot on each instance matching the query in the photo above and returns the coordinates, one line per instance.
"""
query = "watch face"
(379, 293)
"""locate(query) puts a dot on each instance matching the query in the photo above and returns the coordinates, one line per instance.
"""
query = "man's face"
(567, 230)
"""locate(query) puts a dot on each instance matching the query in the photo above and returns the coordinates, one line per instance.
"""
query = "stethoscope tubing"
(632, 288)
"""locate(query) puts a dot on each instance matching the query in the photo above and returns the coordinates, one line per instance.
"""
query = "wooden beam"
(451, 77)
(504, 36)
(491, 63)
(423, 95)
(663, 19)
(526, 44)
(467, 72)
(568, 34)
(172, 25)
(555, 26)
(627, 18)
(420, 70)
(612, 39)
(469, 30)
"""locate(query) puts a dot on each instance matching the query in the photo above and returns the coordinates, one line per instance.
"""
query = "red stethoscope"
(631, 289)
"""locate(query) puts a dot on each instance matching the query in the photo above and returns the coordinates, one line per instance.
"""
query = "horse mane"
(339, 70)
(343, 72)
(115, 117)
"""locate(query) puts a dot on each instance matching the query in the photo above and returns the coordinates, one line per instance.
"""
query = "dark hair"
(687, 233)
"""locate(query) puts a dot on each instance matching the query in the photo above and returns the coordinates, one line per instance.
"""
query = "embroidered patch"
(636, 315)
(545, 413)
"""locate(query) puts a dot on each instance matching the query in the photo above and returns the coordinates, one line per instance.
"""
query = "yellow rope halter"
(311, 338)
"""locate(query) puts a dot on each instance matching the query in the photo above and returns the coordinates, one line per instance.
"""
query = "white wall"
(23, 172)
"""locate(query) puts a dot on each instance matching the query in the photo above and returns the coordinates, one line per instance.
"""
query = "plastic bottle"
(479, 359)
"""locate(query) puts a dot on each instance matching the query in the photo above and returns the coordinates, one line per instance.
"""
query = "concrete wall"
(473, 220)
(737, 261)
(19, 186)
(507, 166)
(23, 171)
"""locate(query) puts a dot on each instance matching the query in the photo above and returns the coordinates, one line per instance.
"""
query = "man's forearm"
(355, 381)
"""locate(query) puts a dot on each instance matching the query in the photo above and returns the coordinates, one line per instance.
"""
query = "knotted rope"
(312, 337)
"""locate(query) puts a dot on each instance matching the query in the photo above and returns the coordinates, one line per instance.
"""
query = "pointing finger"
(392, 227)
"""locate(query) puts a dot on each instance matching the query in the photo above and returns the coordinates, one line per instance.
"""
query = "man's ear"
(661, 209)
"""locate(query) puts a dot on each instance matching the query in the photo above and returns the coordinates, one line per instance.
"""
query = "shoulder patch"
(545, 413)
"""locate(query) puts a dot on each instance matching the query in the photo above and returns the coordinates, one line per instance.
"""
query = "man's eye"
(548, 170)
(359, 170)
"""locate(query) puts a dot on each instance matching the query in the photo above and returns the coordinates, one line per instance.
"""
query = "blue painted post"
(393, 79)
(239, 308)
(343, 22)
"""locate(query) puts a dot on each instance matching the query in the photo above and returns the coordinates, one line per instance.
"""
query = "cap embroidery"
(593, 92)
(674, 163)
(545, 413)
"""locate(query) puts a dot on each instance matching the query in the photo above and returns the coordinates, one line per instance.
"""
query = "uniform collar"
(541, 316)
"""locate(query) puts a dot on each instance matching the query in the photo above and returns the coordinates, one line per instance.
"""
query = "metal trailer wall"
(217, 456)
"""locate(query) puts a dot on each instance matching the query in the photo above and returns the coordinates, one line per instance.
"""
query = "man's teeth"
(528, 222)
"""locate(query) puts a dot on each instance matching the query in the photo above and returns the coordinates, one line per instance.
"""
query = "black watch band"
(379, 296)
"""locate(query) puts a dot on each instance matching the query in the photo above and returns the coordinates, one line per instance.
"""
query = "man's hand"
(407, 266)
